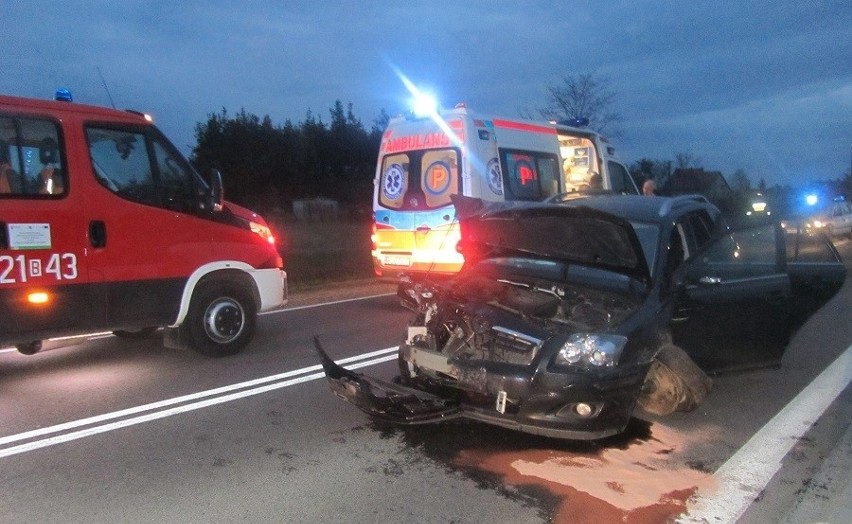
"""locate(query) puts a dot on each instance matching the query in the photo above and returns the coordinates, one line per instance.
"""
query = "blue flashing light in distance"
(579, 121)
(811, 199)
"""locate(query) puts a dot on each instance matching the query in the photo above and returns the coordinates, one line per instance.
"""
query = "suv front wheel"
(673, 383)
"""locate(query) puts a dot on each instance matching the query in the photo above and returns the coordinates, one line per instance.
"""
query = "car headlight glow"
(591, 350)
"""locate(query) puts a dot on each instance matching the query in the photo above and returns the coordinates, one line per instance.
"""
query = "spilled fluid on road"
(632, 477)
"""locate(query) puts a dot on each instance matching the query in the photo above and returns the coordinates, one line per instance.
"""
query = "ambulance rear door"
(420, 166)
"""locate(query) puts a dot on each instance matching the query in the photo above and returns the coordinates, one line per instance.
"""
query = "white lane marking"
(342, 301)
(255, 389)
(749, 470)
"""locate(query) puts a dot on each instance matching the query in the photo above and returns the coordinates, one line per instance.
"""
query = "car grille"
(513, 346)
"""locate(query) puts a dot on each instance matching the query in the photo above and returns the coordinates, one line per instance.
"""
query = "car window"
(176, 178)
(648, 235)
(701, 226)
(804, 246)
(121, 162)
(140, 165)
(31, 159)
(744, 253)
(620, 179)
(677, 250)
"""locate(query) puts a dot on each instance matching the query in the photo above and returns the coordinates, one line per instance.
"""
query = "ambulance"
(426, 158)
(104, 225)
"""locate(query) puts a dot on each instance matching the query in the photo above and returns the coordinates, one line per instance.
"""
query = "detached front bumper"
(574, 406)
(385, 400)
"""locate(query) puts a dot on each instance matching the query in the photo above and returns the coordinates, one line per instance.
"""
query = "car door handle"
(710, 280)
(423, 229)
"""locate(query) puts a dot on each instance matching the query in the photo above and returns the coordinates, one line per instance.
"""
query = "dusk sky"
(763, 86)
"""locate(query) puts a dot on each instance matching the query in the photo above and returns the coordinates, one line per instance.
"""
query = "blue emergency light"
(62, 95)
(579, 121)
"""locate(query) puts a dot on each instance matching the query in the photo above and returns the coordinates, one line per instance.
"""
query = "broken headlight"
(591, 350)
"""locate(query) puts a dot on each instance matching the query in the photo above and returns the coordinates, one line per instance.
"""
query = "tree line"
(267, 166)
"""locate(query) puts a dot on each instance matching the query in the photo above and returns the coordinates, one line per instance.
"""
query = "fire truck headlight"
(263, 231)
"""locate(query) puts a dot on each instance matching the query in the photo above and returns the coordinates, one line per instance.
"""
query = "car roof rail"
(680, 200)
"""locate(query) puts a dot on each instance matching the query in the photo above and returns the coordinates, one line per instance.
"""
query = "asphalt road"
(112, 430)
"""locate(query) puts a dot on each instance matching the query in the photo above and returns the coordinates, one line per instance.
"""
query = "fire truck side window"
(121, 162)
(31, 158)
(175, 178)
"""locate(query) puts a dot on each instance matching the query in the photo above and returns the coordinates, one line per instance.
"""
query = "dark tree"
(583, 96)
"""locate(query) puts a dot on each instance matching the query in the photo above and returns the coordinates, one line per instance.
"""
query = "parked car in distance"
(835, 221)
(567, 314)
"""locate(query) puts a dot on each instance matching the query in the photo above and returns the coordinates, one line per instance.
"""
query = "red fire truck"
(104, 225)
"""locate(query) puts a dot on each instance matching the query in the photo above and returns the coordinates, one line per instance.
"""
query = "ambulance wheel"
(221, 318)
(144, 332)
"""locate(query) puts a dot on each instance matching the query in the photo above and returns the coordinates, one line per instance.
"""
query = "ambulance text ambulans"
(424, 160)
(105, 226)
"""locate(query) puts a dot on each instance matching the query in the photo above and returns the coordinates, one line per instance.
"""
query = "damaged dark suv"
(566, 315)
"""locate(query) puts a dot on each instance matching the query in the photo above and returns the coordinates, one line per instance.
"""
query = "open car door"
(743, 296)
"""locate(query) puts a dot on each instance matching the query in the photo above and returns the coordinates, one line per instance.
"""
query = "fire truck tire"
(29, 348)
(673, 383)
(140, 333)
(221, 318)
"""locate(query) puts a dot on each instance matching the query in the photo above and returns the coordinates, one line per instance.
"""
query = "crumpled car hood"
(572, 234)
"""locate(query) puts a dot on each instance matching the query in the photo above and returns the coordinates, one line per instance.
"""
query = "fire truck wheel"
(221, 318)
(140, 333)
(30, 348)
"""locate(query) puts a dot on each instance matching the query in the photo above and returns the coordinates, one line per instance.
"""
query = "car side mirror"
(217, 198)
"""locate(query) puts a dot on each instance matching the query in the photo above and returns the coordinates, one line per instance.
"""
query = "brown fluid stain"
(640, 483)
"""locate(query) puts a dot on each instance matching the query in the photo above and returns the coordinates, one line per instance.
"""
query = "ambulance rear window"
(419, 180)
